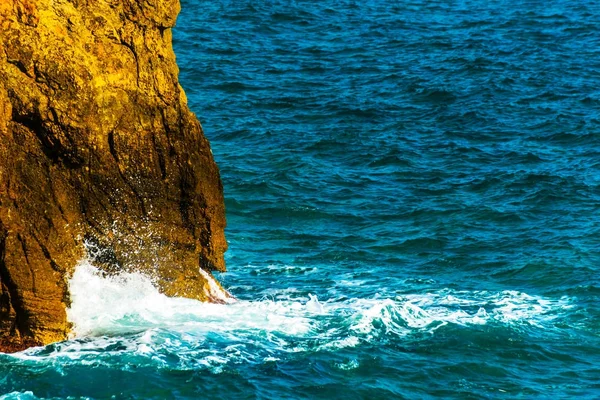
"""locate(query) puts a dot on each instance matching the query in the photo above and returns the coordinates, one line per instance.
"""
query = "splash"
(127, 302)
(128, 313)
(130, 303)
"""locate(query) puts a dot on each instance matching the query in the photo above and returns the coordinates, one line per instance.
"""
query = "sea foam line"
(130, 302)
(126, 312)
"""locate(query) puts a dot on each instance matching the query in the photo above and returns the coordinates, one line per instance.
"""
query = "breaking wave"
(127, 313)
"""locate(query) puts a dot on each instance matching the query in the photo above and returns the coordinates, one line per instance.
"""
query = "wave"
(127, 313)
(125, 303)
(19, 396)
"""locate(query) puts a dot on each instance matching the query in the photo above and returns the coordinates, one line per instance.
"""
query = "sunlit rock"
(97, 147)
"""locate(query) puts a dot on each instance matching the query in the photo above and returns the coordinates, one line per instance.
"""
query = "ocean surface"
(413, 204)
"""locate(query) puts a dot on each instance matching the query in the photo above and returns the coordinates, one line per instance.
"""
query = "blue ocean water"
(413, 204)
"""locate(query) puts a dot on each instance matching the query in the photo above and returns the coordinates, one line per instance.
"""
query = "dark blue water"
(413, 204)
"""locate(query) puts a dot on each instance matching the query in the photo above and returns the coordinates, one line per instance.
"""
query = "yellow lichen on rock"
(97, 144)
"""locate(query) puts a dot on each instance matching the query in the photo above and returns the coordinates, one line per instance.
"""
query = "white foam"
(101, 305)
(129, 302)
(429, 311)
(347, 366)
(19, 396)
(27, 395)
(127, 312)
(313, 304)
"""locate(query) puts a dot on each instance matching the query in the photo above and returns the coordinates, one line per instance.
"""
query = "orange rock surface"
(97, 146)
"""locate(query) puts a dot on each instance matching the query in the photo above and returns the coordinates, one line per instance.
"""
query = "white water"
(130, 303)
(127, 313)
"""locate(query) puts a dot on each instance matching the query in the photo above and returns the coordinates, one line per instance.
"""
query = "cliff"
(97, 147)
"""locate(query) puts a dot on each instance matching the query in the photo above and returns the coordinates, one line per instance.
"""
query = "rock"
(97, 147)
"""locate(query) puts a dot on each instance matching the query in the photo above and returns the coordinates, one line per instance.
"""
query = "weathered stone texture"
(97, 144)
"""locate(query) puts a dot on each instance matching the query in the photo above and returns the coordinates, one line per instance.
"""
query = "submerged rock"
(97, 147)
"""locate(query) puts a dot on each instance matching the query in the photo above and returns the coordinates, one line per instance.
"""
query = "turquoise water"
(413, 206)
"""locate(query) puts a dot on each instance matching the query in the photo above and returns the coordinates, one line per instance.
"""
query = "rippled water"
(413, 204)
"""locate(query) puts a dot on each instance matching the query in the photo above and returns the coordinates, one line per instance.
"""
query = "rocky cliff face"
(97, 146)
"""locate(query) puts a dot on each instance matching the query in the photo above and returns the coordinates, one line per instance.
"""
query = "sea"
(412, 193)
